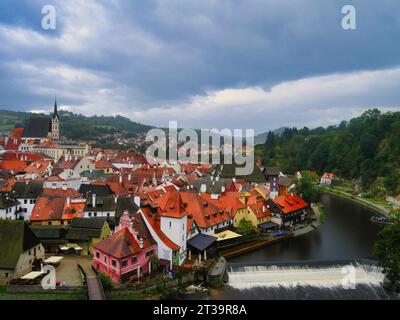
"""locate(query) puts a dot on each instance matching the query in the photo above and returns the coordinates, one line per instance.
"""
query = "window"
(105, 259)
(25, 201)
(134, 260)
(149, 253)
(97, 255)
(124, 263)
(113, 263)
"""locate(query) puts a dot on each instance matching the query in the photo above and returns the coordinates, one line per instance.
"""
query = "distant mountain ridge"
(262, 137)
(76, 126)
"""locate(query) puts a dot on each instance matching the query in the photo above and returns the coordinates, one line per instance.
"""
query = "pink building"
(126, 254)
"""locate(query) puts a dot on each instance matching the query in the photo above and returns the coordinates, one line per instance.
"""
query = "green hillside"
(74, 126)
(367, 147)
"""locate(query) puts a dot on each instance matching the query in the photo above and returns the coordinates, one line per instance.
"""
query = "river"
(347, 233)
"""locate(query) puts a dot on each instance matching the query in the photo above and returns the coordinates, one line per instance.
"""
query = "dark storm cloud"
(169, 59)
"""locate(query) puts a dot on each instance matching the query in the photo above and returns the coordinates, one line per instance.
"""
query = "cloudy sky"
(258, 64)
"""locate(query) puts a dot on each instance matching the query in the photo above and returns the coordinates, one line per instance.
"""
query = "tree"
(306, 187)
(392, 182)
(270, 144)
(387, 251)
(246, 228)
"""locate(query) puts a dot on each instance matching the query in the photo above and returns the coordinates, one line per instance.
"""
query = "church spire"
(55, 113)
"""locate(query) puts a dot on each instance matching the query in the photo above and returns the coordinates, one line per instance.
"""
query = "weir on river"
(347, 236)
(321, 274)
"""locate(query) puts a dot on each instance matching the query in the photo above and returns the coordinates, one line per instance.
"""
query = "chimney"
(64, 187)
(130, 177)
(136, 200)
(141, 243)
(68, 201)
(94, 200)
(66, 157)
(120, 179)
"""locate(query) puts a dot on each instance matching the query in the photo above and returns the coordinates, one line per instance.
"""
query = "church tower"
(55, 123)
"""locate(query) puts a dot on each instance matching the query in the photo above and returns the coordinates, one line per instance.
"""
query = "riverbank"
(378, 208)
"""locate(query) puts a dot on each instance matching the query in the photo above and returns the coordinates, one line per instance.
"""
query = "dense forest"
(365, 148)
(76, 126)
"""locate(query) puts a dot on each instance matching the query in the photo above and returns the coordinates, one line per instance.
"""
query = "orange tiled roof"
(260, 209)
(171, 205)
(13, 165)
(17, 133)
(38, 167)
(204, 213)
(154, 222)
(73, 210)
(290, 203)
(48, 208)
(60, 193)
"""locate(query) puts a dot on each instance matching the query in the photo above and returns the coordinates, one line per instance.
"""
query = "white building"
(27, 193)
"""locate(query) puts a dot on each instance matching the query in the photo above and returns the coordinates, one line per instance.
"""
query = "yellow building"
(56, 151)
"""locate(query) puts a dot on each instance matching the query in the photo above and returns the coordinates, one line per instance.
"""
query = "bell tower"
(55, 123)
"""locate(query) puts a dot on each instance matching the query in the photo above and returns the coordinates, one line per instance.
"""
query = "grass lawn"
(38, 296)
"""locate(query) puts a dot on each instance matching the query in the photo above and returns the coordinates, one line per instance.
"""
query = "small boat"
(381, 220)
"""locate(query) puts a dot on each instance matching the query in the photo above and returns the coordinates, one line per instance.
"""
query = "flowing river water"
(280, 271)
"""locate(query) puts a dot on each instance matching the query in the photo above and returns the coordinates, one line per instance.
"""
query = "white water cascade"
(247, 277)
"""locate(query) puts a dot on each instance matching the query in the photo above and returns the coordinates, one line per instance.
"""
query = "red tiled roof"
(48, 208)
(329, 175)
(149, 172)
(73, 210)
(203, 212)
(103, 164)
(17, 133)
(154, 222)
(171, 205)
(120, 245)
(67, 164)
(115, 187)
(13, 144)
(60, 193)
(229, 204)
(260, 209)
(38, 167)
(13, 165)
(23, 156)
(290, 203)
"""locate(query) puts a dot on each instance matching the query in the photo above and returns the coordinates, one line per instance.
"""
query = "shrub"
(246, 228)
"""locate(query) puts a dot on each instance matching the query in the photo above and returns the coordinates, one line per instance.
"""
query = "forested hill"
(366, 147)
(74, 126)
